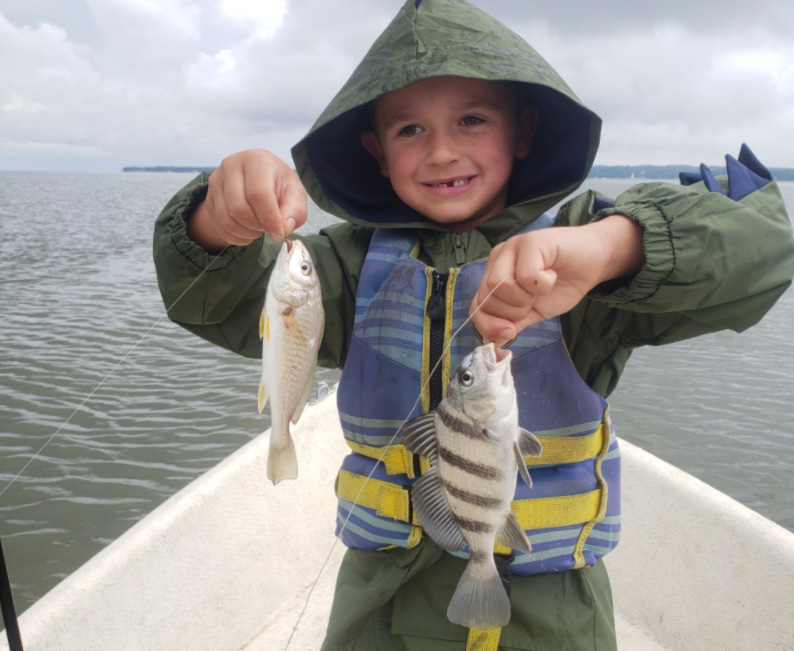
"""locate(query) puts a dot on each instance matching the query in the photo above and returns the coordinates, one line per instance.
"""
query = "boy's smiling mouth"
(458, 182)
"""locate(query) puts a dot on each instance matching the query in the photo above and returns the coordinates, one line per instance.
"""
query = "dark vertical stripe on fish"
(469, 430)
(474, 526)
(477, 469)
(471, 498)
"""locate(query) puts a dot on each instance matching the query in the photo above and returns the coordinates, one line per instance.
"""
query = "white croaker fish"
(291, 328)
(475, 447)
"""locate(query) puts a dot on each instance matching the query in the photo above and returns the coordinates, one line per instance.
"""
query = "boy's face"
(447, 144)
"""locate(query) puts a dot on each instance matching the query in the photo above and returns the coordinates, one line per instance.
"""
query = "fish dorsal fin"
(304, 397)
(434, 514)
(262, 318)
(528, 443)
(522, 467)
(262, 395)
(512, 535)
(419, 436)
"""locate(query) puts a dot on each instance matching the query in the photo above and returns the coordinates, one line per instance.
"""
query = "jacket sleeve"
(220, 298)
(718, 255)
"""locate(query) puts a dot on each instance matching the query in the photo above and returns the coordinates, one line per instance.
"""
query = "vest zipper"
(437, 312)
(460, 248)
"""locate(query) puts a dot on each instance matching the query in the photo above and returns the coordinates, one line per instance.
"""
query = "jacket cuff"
(658, 248)
(191, 251)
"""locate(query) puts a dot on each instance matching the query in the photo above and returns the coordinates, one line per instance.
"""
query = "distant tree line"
(168, 168)
(669, 171)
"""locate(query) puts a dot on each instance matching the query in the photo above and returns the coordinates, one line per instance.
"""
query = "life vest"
(406, 313)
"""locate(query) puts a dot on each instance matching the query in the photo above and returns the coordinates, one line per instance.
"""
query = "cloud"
(267, 16)
(116, 82)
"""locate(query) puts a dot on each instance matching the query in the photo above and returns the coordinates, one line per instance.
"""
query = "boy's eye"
(471, 121)
(409, 130)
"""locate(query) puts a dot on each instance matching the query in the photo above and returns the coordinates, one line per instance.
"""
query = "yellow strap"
(569, 449)
(393, 501)
(483, 640)
(424, 378)
(387, 499)
(600, 512)
(548, 512)
(397, 459)
(557, 450)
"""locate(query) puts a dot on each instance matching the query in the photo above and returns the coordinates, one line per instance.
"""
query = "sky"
(95, 85)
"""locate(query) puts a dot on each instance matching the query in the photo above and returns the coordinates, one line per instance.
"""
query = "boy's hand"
(547, 272)
(251, 193)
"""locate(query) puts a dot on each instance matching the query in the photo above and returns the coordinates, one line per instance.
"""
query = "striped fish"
(291, 327)
(475, 447)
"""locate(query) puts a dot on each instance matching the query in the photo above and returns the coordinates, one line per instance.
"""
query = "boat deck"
(229, 563)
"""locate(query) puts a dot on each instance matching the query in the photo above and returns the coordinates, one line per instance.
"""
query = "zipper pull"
(436, 304)
(460, 249)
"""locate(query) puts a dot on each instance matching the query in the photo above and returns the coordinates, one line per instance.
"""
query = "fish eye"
(466, 377)
(306, 268)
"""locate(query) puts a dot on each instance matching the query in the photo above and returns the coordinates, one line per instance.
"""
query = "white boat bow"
(229, 563)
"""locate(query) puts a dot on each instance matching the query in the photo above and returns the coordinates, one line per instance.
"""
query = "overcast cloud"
(99, 84)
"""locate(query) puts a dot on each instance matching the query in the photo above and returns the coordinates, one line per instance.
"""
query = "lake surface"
(134, 407)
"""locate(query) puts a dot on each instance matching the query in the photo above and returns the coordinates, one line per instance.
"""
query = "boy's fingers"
(538, 282)
(293, 205)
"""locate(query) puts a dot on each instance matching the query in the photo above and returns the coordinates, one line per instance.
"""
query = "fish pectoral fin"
(512, 535)
(419, 436)
(262, 395)
(304, 397)
(528, 443)
(522, 467)
(434, 514)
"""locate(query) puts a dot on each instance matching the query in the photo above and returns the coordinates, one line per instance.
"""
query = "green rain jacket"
(712, 261)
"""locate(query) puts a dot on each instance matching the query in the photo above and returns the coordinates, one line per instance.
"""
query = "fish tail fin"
(282, 461)
(480, 600)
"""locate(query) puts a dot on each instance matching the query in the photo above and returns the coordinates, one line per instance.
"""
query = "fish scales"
(291, 329)
(476, 449)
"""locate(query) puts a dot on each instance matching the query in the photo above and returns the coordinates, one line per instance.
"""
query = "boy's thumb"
(294, 207)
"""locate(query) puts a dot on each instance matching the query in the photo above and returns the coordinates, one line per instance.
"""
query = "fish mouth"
(497, 361)
(494, 357)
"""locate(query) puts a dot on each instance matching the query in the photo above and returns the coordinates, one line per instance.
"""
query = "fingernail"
(290, 225)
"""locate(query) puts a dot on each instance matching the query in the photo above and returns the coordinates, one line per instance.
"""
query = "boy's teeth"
(451, 184)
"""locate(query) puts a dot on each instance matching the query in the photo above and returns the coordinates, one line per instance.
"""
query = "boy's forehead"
(462, 92)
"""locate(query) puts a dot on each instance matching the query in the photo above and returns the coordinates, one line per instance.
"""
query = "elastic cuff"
(658, 248)
(193, 252)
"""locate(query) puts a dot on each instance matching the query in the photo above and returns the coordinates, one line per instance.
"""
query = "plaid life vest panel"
(572, 513)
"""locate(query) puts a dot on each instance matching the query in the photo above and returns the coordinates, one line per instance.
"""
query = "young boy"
(441, 154)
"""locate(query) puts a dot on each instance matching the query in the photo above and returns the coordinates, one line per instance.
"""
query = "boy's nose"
(442, 148)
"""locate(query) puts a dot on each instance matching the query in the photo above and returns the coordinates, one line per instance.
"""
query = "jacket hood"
(433, 38)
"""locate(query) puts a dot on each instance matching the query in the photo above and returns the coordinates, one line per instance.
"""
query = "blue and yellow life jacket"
(406, 314)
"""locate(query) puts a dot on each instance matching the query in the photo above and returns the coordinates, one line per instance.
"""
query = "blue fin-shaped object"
(689, 178)
(749, 160)
(745, 175)
(742, 180)
(710, 180)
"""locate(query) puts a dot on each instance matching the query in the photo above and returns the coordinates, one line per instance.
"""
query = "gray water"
(150, 407)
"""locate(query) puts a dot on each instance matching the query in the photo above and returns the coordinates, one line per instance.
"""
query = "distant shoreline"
(664, 172)
(638, 172)
(168, 168)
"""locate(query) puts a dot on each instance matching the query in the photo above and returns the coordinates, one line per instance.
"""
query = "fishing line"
(382, 454)
(110, 373)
